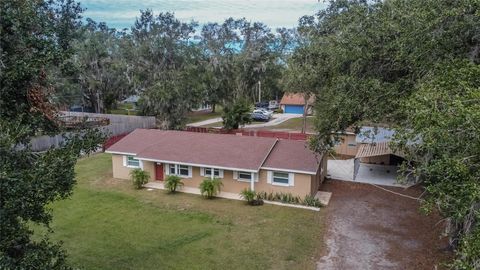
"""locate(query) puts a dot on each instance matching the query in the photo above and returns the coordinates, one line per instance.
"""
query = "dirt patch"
(369, 228)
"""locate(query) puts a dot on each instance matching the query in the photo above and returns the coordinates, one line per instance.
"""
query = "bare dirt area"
(369, 228)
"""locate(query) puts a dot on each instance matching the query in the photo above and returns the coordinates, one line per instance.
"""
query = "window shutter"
(269, 177)
(167, 169)
(291, 179)
(220, 173)
(140, 163)
(235, 175)
(202, 171)
(190, 171)
(125, 161)
(255, 176)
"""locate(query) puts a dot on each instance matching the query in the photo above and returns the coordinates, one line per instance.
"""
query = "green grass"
(107, 224)
(295, 124)
(197, 117)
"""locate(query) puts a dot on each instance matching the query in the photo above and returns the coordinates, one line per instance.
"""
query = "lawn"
(295, 124)
(106, 224)
(199, 116)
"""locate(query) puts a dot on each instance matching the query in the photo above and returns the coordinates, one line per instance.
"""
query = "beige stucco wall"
(343, 149)
(122, 172)
(303, 183)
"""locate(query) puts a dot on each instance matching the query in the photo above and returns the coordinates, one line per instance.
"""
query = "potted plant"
(172, 182)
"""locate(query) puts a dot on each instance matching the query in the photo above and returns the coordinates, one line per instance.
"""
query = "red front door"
(159, 171)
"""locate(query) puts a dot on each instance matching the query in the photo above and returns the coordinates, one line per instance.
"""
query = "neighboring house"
(295, 103)
(202, 107)
(133, 99)
(258, 163)
(351, 142)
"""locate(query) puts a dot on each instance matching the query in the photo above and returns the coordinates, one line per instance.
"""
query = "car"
(260, 116)
(261, 105)
(263, 110)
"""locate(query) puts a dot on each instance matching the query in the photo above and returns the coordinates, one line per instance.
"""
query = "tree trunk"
(213, 107)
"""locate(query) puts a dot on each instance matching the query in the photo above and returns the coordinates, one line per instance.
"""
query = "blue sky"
(275, 13)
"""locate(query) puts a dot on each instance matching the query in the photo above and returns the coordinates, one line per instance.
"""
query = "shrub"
(251, 197)
(236, 114)
(172, 183)
(139, 177)
(310, 200)
(210, 187)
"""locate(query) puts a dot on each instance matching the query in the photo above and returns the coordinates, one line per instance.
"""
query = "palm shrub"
(172, 183)
(310, 200)
(210, 187)
(139, 177)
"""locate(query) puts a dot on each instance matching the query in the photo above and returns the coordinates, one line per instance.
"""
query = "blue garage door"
(294, 109)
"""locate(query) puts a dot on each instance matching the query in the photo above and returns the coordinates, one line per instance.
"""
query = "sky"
(274, 13)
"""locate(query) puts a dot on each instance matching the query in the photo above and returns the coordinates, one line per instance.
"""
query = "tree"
(210, 187)
(139, 178)
(413, 65)
(236, 114)
(166, 67)
(173, 182)
(35, 35)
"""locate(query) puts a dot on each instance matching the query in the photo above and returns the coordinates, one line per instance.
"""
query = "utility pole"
(259, 91)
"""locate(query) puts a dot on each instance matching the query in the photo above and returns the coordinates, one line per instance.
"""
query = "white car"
(263, 111)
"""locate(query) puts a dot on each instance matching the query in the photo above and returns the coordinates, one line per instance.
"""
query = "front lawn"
(107, 224)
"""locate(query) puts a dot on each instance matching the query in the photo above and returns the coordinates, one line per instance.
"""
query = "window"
(208, 172)
(180, 170)
(132, 162)
(245, 176)
(280, 178)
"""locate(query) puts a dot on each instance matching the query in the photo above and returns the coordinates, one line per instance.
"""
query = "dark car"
(261, 105)
(260, 117)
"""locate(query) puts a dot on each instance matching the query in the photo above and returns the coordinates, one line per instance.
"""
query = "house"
(351, 142)
(241, 162)
(295, 103)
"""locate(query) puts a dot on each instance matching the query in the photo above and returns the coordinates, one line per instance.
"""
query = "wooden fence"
(119, 124)
(254, 133)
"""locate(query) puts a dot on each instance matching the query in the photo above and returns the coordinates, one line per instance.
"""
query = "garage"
(298, 109)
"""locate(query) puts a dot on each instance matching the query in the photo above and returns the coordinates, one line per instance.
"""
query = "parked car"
(262, 104)
(264, 111)
(260, 116)
(273, 104)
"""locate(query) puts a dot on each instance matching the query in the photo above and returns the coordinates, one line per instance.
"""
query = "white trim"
(140, 163)
(291, 179)
(269, 177)
(289, 176)
(202, 171)
(177, 170)
(124, 158)
(197, 165)
(286, 170)
(120, 153)
(235, 175)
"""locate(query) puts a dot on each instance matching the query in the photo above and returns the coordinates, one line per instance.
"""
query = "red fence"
(112, 140)
(257, 133)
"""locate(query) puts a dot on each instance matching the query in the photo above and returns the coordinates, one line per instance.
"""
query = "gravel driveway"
(369, 228)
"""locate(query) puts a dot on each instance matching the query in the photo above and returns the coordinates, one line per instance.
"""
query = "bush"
(210, 187)
(310, 200)
(139, 177)
(236, 114)
(251, 197)
(172, 183)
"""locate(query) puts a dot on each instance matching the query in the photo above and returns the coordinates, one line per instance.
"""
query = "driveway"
(369, 228)
(277, 118)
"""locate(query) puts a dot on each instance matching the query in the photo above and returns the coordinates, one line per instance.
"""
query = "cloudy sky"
(275, 13)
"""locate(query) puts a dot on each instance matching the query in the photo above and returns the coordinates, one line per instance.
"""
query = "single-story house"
(241, 162)
(296, 103)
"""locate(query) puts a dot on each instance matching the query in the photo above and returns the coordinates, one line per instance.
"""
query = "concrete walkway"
(367, 173)
(277, 118)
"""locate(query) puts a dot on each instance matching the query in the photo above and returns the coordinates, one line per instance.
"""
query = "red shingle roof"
(292, 155)
(217, 150)
(295, 99)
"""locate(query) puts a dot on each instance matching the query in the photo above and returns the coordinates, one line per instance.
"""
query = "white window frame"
(126, 160)
(270, 179)
(176, 169)
(244, 179)
(203, 172)
(280, 183)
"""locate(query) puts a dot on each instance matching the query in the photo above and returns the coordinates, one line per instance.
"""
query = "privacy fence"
(119, 125)
(254, 133)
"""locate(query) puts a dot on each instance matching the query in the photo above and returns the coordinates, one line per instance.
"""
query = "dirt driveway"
(369, 228)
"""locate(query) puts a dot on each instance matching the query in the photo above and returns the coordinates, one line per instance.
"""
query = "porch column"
(252, 181)
(212, 173)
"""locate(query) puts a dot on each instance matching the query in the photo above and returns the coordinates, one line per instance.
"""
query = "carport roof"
(375, 149)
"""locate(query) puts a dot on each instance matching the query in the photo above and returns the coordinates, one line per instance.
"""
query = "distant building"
(295, 103)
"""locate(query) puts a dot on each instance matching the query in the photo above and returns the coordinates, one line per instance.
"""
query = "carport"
(378, 158)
